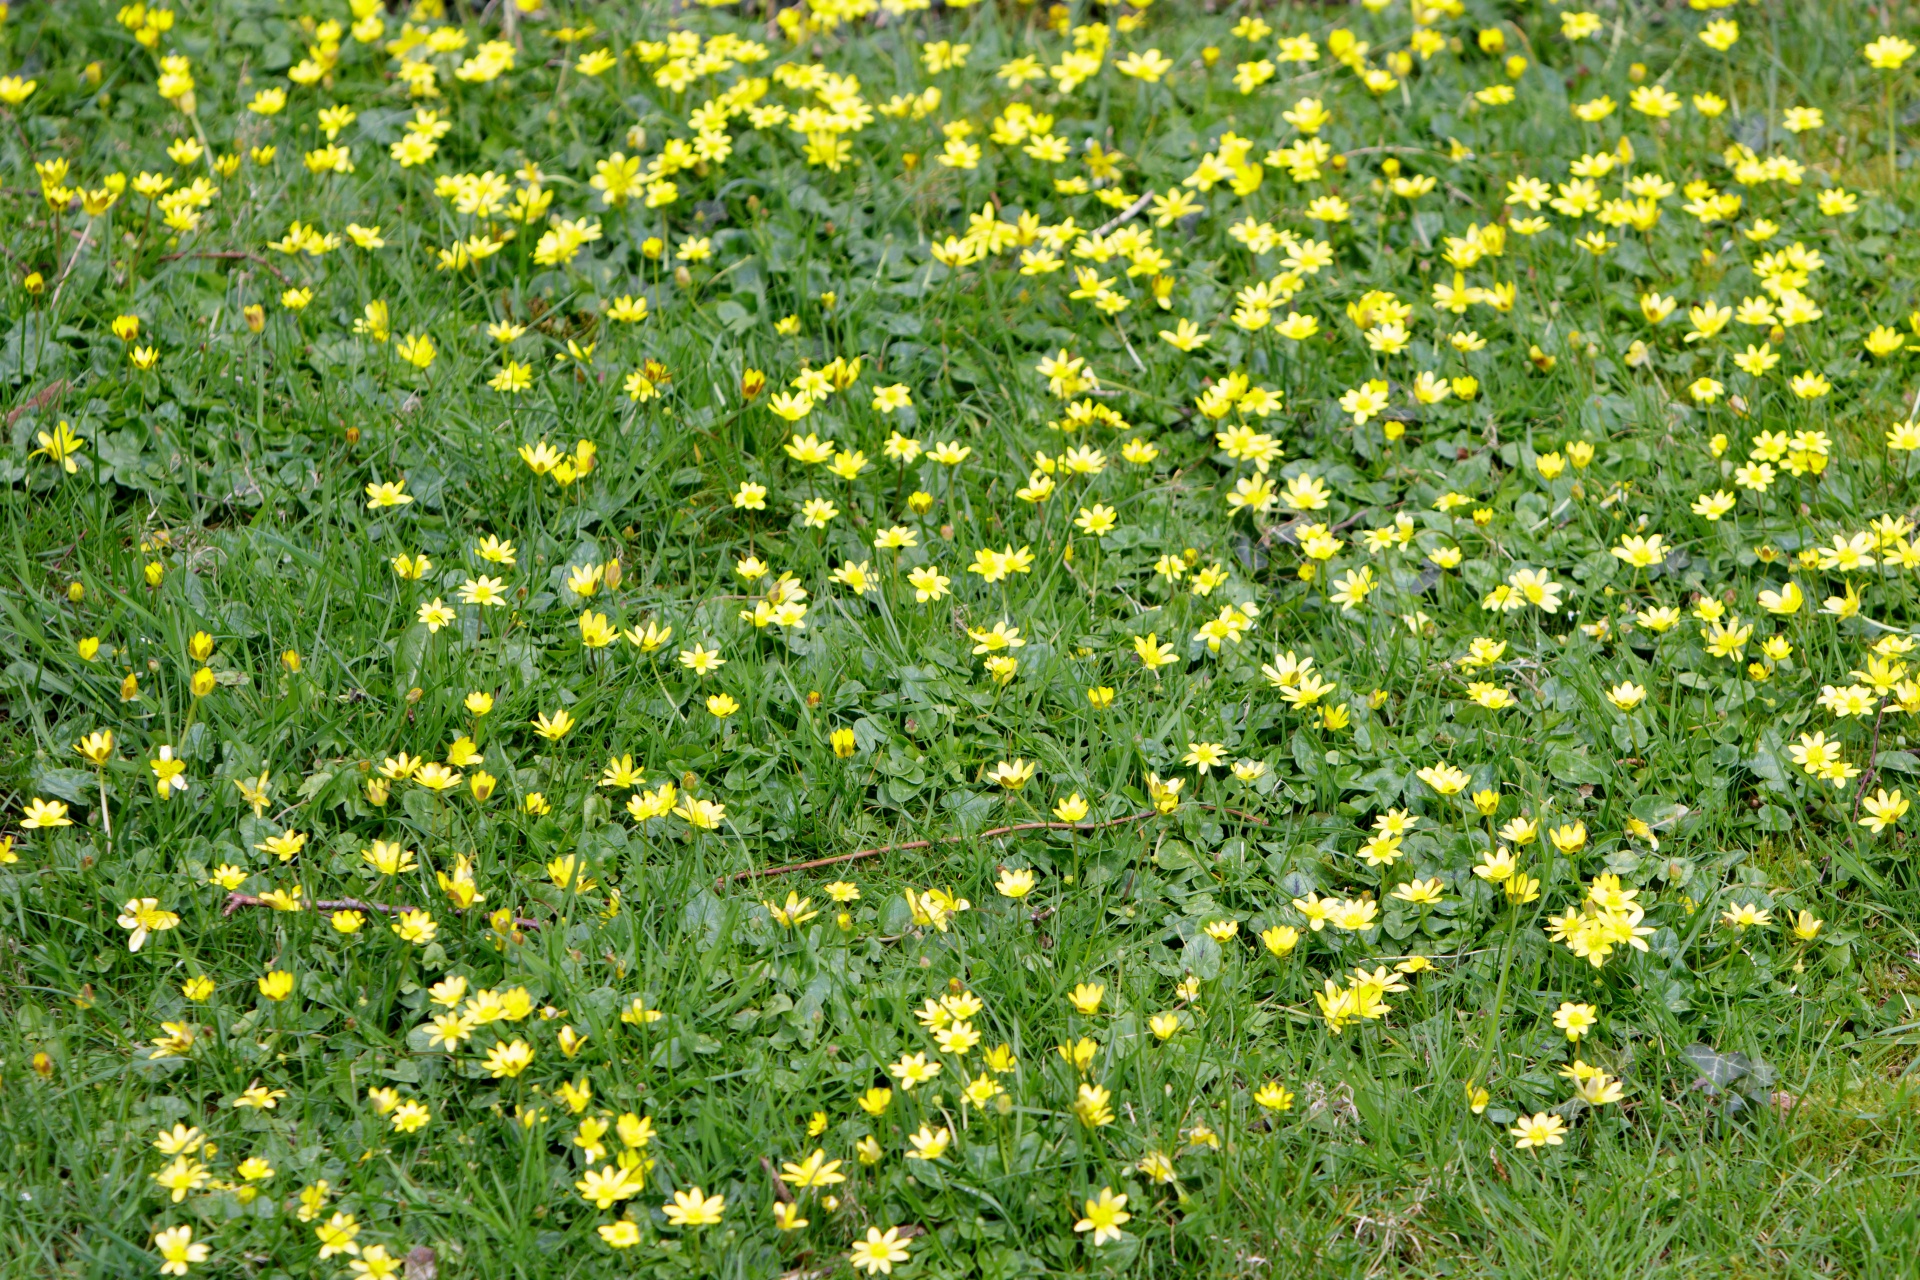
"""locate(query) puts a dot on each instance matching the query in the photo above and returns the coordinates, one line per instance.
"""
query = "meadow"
(940, 640)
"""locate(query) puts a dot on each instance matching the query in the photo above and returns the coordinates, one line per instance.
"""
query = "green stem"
(1499, 998)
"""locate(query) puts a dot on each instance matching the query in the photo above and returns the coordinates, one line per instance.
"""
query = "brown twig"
(230, 255)
(236, 900)
(1079, 828)
(780, 1190)
(758, 873)
(40, 401)
(1410, 151)
(1873, 762)
(60, 287)
(1128, 214)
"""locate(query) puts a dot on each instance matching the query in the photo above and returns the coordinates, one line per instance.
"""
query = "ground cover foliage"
(1347, 571)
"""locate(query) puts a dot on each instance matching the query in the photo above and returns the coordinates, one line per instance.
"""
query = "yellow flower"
(606, 1186)
(703, 815)
(1012, 774)
(1626, 695)
(178, 1250)
(929, 1143)
(880, 1251)
(1092, 1106)
(1888, 53)
(416, 927)
(1570, 838)
(391, 493)
(1575, 1019)
(797, 910)
(1883, 809)
(694, 1208)
(554, 727)
(45, 814)
(508, 1060)
(1106, 1214)
(1540, 1130)
(1445, 779)
(1015, 884)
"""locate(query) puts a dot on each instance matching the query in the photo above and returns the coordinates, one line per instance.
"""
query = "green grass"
(1768, 1120)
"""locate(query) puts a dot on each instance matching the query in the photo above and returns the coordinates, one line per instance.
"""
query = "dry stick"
(1128, 214)
(780, 1190)
(790, 867)
(1079, 828)
(237, 900)
(86, 238)
(1866, 780)
(40, 401)
(227, 255)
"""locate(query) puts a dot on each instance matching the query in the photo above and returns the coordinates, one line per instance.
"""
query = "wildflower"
(416, 927)
(694, 1208)
(1092, 1106)
(178, 1250)
(1105, 1216)
(929, 1144)
(1540, 1130)
(877, 1254)
(169, 773)
(1884, 809)
(1888, 53)
(1626, 695)
(46, 814)
(142, 917)
(1445, 779)
(507, 1060)
(1569, 839)
(1273, 1096)
(1576, 1020)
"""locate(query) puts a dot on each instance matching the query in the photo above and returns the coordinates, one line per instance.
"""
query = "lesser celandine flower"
(1293, 502)
(555, 726)
(694, 1208)
(143, 917)
(1883, 809)
(178, 1250)
(1626, 695)
(880, 1251)
(1575, 1019)
(1012, 774)
(1105, 1216)
(1539, 1131)
(45, 814)
(1445, 779)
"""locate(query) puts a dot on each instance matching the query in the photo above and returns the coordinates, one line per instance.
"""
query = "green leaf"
(408, 653)
(1575, 767)
(1201, 957)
